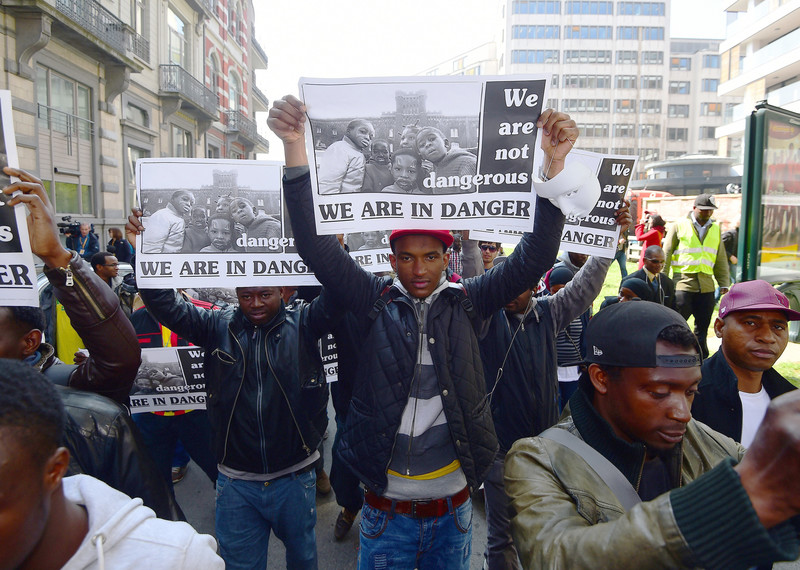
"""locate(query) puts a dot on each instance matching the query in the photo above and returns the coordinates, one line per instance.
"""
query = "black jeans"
(701, 305)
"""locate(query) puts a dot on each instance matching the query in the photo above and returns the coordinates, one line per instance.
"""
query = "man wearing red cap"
(739, 381)
(419, 430)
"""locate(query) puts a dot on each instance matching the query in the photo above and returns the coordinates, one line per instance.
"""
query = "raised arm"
(91, 305)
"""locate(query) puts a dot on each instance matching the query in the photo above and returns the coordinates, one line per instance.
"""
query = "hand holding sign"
(287, 120)
(41, 222)
(560, 134)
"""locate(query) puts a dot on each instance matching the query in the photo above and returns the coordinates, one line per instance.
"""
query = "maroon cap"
(755, 295)
(442, 235)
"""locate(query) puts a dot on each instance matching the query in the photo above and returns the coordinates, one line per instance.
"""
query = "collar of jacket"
(627, 457)
(240, 323)
(718, 371)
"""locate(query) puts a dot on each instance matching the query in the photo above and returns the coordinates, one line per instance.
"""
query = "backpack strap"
(384, 299)
(604, 469)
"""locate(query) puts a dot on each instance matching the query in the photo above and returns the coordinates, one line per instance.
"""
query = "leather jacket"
(565, 516)
(95, 314)
(266, 391)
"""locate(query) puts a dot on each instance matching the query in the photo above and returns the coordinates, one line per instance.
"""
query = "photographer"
(85, 242)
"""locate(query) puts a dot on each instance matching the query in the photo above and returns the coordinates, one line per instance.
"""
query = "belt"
(300, 471)
(417, 509)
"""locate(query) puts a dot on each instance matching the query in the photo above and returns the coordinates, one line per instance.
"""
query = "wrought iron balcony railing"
(97, 20)
(140, 46)
(175, 79)
(236, 121)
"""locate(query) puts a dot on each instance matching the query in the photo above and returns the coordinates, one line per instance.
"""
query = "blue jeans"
(400, 541)
(248, 510)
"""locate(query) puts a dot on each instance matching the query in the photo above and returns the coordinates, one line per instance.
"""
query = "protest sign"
(214, 223)
(597, 232)
(462, 151)
(169, 379)
(330, 358)
(17, 270)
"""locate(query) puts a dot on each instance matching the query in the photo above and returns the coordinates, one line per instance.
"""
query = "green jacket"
(566, 516)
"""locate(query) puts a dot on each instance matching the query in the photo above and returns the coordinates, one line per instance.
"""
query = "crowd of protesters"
(579, 427)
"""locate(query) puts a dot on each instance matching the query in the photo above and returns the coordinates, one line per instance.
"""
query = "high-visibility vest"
(693, 256)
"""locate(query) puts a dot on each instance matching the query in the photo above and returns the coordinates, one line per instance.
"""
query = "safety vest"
(693, 256)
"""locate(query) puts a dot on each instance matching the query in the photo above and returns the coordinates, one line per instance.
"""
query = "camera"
(68, 227)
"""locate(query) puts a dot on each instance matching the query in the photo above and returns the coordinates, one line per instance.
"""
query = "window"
(711, 109)
(585, 105)
(587, 81)
(684, 63)
(628, 33)
(623, 150)
(648, 131)
(212, 151)
(588, 8)
(641, 8)
(653, 33)
(648, 154)
(623, 130)
(534, 56)
(627, 57)
(178, 46)
(625, 105)
(625, 82)
(535, 32)
(137, 115)
(459, 63)
(678, 111)
(677, 134)
(535, 7)
(710, 85)
(554, 81)
(707, 132)
(679, 87)
(234, 92)
(213, 75)
(182, 146)
(587, 56)
(593, 129)
(652, 57)
(138, 16)
(711, 61)
(588, 32)
(650, 106)
(652, 82)
(675, 153)
(134, 153)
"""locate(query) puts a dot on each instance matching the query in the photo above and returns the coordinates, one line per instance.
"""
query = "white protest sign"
(169, 379)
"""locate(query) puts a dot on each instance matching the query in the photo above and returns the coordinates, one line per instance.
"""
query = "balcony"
(204, 7)
(239, 124)
(139, 46)
(260, 101)
(183, 91)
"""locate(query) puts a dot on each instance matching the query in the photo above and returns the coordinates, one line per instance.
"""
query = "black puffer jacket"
(388, 349)
(267, 395)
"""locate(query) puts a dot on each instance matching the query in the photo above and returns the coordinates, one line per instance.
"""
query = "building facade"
(96, 86)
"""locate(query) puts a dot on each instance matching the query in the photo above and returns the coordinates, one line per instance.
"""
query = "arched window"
(234, 92)
(213, 75)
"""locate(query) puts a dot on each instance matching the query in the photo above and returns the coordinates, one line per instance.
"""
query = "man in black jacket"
(663, 287)
(266, 401)
(419, 431)
(739, 380)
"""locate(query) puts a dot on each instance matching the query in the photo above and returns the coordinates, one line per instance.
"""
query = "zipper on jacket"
(641, 470)
(255, 340)
(417, 370)
(236, 399)
(71, 277)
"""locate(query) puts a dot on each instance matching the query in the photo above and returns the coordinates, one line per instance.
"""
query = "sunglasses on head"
(491, 248)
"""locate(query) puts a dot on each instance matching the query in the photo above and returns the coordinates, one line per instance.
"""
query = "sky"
(376, 38)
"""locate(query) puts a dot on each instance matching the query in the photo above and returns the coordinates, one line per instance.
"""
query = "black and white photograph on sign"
(169, 379)
(214, 223)
(422, 152)
(17, 269)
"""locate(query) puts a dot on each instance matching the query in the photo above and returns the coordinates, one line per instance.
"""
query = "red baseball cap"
(443, 236)
(755, 295)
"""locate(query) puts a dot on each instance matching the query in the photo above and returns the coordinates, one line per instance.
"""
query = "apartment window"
(535, 32)
(684, 63)
(648, 154)
(139, 16)
(625, 81)
(182, 146)
(585, 105)
(593, 129)
(655, 33)
(589, 8)
(710, 85)
(587, 56)
(534, 56)
(626, 56)
(134, 153)
(674, 153)
(234, 92)
(212, 151)
(678, 111)
(652, 57)
(711, 109)
(711, 61)
(641, 8)
(213, 74)
(652, 82)
(649, 131)
(707, 132)
(178, 42)
(679, 87)
(677, 134)
(554, 81)
(137, 115)
(624, 130)
(623, 150)
(625, 105)
(551, 104)
(628, 33)
(535, 7)
(650, 106)
(588, 32)
(587, 81)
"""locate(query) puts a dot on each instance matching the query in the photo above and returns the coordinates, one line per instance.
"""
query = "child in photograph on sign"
(342, 167)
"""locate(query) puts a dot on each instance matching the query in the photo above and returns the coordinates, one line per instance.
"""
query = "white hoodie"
(125, 534)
